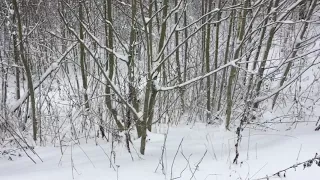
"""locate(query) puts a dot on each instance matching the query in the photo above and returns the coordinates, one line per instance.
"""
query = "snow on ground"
(266, 153)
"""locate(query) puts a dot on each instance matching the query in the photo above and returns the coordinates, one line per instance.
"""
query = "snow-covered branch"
(16, 104)
(191, 81)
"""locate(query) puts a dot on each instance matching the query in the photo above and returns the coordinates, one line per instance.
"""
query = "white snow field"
(205, 153)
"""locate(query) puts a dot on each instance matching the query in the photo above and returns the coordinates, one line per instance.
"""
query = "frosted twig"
(175, 158)
(197, 166)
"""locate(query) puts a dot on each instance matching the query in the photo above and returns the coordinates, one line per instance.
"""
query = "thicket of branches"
(87, 69)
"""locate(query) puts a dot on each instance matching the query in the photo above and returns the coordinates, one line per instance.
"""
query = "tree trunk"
(110, 66)
(83, 61)
(207, 62)
(28, 72)
(257, 55)
(234, 71)
(226, 57)
(216, 53)
(266, 53)
(181, 91)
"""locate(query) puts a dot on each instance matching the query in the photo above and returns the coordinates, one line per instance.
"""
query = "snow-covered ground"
(206, 152)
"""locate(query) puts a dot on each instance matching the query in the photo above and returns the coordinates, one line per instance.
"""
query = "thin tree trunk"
(83, 61)
(4, 88)
(181, 91)
(266, 53)
(131, 71)
(161, 44)
(16, 58)
(233, 71)
(110, 67)
(257, 55)
(143, 124)
(186, 45)
(216, 53)
(207, 62)
(28, 72)
(226, 57)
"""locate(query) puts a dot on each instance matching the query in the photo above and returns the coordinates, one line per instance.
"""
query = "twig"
(135, 150)
(258, 171)
(212, 175)
(162, 153)
(197, 166)
(318, 128)
(118, 172)
(318, 121)
(21, 146)
(12, 132)
(83, 152)
(299, 152)
(209, 139)
(188, 163)
(60, 161)
(72, 164)
(248, 143)
(107, 156)
(174, 158)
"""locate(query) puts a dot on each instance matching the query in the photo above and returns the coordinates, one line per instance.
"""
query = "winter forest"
(159, 89)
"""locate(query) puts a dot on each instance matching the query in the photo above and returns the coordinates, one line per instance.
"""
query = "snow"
(146, 19)
(140, 114)
(121, 56)
(54, 65)
(11, 11)
(216, 9)
(261, 153)
(156, 85)
(287, 22)
(123, 3)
